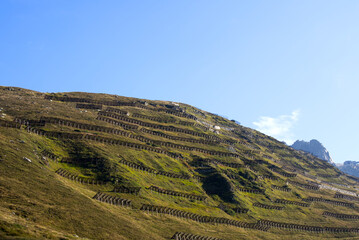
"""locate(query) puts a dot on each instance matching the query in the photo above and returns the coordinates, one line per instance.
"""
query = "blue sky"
(287, 68)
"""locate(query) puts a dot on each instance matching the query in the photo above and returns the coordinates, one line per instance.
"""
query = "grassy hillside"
(98, 166)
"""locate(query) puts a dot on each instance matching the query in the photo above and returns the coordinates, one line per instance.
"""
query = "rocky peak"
(350, 167)
(315, 148)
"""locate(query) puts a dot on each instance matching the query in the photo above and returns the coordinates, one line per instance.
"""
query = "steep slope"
(314, 147)
(97, 166)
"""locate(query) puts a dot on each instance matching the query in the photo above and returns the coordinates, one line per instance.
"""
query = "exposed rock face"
(315, 148)
(350, 167)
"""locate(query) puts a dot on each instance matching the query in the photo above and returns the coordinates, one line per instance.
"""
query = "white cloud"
(279, 127)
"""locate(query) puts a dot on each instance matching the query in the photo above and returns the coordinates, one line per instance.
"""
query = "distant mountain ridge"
(350, 167)
(315, 148)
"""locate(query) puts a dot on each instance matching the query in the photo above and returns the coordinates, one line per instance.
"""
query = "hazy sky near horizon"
(287, 68)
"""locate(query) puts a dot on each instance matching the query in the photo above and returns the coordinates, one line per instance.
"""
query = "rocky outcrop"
(350, 167)
(315, 148)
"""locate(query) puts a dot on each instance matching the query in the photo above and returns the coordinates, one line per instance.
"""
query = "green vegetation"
(37, 203)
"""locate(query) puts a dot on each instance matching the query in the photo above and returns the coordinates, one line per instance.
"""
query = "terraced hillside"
(97, 166)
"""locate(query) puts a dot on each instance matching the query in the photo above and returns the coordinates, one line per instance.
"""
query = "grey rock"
(315, 148)
(350, 167)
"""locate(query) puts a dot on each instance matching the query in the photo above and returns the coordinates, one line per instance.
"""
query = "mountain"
(315, 148)
(350, 167)
(79, 165)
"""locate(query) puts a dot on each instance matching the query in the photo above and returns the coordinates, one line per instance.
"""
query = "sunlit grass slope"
(178, 168)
